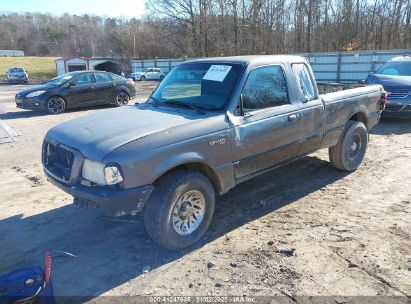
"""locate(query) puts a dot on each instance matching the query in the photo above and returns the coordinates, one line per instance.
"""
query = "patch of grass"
(38, 68)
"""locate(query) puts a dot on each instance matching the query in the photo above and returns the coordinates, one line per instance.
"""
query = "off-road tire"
(342, 155)
(158, 213)
(58, 107)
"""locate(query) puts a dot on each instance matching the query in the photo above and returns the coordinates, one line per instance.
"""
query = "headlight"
(101, 174)
(36, 93)
(112, 175)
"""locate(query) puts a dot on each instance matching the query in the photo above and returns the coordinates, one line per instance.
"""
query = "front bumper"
(112, 202)
(17, 80)
(33, 103)
(397, 109)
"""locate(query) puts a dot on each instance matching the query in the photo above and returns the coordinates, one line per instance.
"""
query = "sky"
(109, 8)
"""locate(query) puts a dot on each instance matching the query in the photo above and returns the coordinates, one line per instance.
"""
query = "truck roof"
(252, 59)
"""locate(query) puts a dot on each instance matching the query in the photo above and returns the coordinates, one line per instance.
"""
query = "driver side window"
(265, 87)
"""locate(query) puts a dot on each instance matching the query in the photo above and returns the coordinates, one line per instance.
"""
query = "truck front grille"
(397, 92)
(58, 161)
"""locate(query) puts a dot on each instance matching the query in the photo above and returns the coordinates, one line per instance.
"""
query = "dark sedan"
(77, 89)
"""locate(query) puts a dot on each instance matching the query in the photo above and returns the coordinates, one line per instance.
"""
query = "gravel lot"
(303, 229)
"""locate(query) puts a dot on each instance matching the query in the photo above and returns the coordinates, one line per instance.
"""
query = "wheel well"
(202, 168)
(360, 116)
(122, 90)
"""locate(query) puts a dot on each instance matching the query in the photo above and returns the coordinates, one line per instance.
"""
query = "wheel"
(121, 99)
(161, 77)
(348, 154)
(180, 209)
(143, 78)
(55, 105)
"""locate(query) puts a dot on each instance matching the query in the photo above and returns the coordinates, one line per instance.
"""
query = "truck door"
(269, 130)
(312, 108)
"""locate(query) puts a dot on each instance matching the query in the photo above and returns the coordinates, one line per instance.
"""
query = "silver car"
(17, 75)
(147, 74)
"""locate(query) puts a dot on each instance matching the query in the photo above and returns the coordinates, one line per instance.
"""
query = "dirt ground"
(303, 229)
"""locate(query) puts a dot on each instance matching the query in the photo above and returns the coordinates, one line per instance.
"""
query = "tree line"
(204, 28)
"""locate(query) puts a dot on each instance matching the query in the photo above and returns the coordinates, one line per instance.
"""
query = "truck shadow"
(395, 126)
(111, 253)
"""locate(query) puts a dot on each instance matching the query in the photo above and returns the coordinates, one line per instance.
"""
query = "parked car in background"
(395, 77)
(147, 74)
(77, 89)
(17, 75)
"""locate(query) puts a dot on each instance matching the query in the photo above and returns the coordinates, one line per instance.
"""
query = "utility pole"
(134, 46)
(12, 44)
(57, 47)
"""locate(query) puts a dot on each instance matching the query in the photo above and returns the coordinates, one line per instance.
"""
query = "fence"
(11, 53)
(344, 67)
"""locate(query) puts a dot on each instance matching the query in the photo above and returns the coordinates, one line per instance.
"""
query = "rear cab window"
(304, 82)
(265, 87)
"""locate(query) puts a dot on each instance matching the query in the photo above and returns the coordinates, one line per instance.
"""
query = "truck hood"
(100, 133)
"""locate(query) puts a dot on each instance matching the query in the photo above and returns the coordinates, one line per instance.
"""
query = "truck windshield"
(395, 69)
(206, 86)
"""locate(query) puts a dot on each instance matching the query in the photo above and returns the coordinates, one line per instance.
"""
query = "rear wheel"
(348, 154)
(161, 77)
(180, 209)
(55, 105)
(121, 99)
(143, 78)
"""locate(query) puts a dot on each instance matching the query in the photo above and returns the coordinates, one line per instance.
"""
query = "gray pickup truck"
(209, 125)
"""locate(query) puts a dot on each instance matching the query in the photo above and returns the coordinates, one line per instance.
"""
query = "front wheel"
(55, 105)
(180, 209)
(121, 99)
(143, 78)
(348, 154)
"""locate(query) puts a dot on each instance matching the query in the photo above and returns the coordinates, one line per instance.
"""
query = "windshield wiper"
(183, 104)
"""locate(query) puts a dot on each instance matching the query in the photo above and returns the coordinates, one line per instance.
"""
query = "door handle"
(292, 118)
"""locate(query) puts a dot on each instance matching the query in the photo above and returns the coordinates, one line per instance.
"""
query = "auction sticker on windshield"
(217, 72)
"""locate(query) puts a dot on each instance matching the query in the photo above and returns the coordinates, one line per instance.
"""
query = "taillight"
(47, 267)
(384, 100)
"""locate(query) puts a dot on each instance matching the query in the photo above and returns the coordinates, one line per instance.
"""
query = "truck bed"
(341, 105)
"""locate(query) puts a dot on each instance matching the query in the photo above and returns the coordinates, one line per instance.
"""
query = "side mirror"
(72, 83)
(239, 108)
